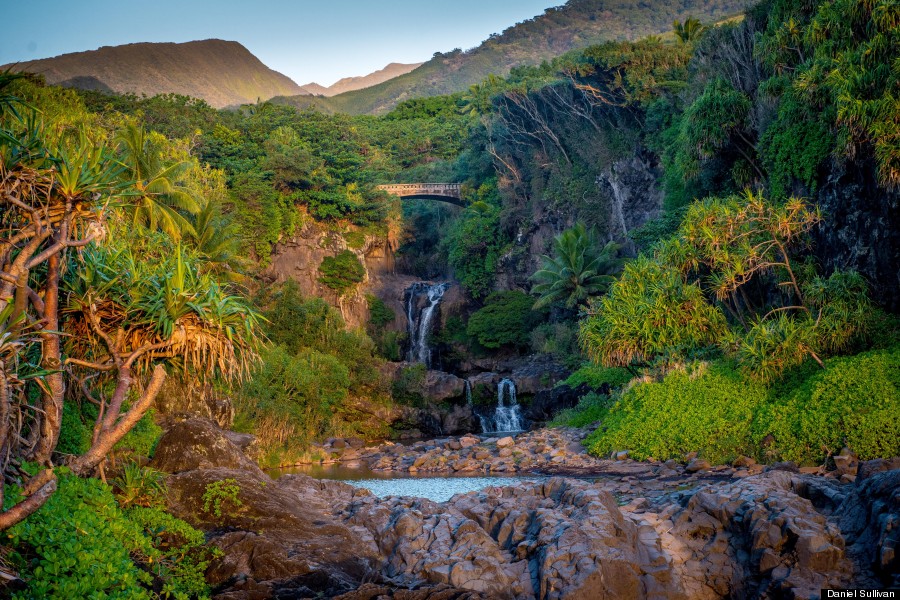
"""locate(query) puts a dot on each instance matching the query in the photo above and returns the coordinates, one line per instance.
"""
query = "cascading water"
(508, 415)
(419, 320)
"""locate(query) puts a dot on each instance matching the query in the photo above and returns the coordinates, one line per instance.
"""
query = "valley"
(606, 306)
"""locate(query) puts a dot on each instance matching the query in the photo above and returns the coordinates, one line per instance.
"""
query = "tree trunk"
(55, 389)
(112, 430)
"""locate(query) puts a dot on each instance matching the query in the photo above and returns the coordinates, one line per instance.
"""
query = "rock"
(621, 455)
(697, 464)
(339, 444)
(468, 441)
(547, 403)
(743, 461)
(846, 462)
(878, 465)
(199, 444)
(788, 465)
(505, 442)
(441, 386)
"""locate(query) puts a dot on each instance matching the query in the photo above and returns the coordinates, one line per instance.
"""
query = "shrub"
(220, 495)
(139, 486)
(505, 320)
(409, 385)
(650, 312)
(341, 272)
(854, 401)
(80, 544)
(590, 409)
(707, 410)
(596, 376)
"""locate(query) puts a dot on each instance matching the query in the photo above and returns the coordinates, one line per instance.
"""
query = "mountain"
(350, 84)
(221, 72)
(577, 24)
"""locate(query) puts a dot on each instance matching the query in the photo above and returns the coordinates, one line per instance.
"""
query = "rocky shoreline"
(767, 534)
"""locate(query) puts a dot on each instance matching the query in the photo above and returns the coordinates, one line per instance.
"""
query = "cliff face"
(861, 229)
(220, 72)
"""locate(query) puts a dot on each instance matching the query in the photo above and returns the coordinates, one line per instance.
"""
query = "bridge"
(443, 192)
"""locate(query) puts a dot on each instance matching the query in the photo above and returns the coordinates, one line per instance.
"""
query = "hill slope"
(577, 24)
(221, 72)
(350, 84)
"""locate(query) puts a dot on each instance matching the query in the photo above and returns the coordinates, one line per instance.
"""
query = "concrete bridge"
(443, 192)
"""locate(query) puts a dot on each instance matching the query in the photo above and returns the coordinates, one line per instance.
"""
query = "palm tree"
(580, 268)
(690, 31)
(217, 241)
(158, 197)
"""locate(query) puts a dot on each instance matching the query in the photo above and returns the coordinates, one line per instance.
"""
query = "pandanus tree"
(580, 268)
(125, 319)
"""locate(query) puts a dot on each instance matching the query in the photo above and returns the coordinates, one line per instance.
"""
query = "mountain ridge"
(574, 25)
(221, 72)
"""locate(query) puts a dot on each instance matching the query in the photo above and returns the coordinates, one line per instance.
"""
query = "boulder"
(440, 386)
(505, 442)
(200, 444)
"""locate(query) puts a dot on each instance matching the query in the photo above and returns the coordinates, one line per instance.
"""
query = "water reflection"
(384, 484)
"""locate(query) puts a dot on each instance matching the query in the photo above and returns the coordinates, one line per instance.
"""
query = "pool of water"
(384, 484)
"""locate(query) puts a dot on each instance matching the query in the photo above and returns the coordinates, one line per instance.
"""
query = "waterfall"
(507, 415)
(419, 325)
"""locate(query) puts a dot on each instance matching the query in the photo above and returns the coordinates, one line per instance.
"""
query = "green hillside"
(577, 24)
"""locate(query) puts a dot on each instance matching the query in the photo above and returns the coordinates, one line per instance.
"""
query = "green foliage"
(559, 340)
(408, 387)
(388, 342)
(506, 319)
(854, 401)
(590, 409)
(596, 377)
(795, 146)
(142, 438)
(579, 268)
(342, 272)
(702, 410)
(650, 313)
(221, 495)
(689, 31)
(474, 244)
(139, 486)
(81, 544)
(292, 398)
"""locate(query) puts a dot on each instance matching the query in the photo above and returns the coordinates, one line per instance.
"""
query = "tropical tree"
(579, 268)
(158, 199)
(689, 31)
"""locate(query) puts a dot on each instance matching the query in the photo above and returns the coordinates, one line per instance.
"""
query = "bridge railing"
(445, 189)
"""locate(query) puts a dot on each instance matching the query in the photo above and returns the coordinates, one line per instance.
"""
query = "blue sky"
(307, 40)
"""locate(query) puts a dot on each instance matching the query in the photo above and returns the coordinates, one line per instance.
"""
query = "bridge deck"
(425, 190)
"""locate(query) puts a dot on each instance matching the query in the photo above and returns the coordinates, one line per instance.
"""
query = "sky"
(307, 40)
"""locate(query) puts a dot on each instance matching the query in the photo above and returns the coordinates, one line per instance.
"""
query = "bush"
(505, 320)
(707, 410)
(80, 544)
(854, 401)
(409, 385)
(341, 272)
(596, 377)
(590, 409)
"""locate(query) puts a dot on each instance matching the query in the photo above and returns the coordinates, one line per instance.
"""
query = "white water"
(508, 414)
(420, 326)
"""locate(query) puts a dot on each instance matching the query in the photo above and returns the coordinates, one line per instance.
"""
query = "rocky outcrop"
(199, 444)
(299, 257)
(632, 185)
(861, 229)
(773, 534)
